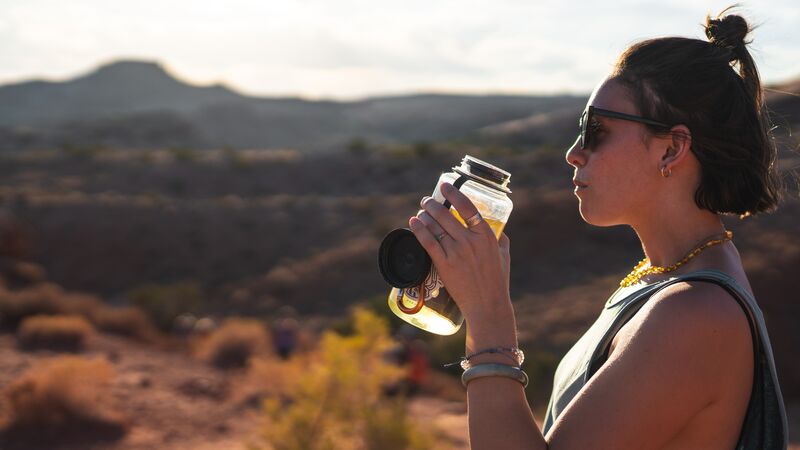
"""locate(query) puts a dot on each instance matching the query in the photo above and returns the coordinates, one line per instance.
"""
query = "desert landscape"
(188, 267)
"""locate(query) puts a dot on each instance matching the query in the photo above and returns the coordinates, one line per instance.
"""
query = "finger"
(431, 224)
(444, 239)
(465, 207)
(504, 242)
(444, 218)
(428, 242)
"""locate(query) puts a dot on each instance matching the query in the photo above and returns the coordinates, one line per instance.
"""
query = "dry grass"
(234, 343)
(61, 392)
(15, 306)
(129, 322)
(273, 377)
(51, 299)
(60, 333)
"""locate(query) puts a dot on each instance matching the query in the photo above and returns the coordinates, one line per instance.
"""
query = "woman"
(679, 358)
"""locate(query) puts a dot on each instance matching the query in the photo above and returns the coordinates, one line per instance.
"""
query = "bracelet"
(518, 357)
(493, 369)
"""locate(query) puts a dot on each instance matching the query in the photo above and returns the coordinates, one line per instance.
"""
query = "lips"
(579, 183)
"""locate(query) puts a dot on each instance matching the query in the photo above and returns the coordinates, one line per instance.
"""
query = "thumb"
(504, 242)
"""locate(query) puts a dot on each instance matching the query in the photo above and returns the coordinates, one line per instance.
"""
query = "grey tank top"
(765, 425)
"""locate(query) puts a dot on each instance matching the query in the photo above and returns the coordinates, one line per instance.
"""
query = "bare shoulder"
(670, 372)
(699, 321)
(698, 307)
(698, 325)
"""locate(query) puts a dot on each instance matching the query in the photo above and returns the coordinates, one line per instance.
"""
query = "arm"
(499, 414)
(666, 367)
(673, 359)
(474, 266)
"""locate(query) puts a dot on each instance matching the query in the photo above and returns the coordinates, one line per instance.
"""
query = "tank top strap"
(727, 282)
(625, 307)
(629, 305)
(766, 423)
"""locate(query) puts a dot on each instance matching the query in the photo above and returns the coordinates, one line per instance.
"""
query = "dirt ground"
(171, 401)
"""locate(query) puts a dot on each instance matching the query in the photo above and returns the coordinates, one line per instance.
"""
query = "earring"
(666, 172)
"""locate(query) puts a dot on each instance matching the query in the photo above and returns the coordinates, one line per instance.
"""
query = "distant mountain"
(115, 89)
(139, 104)
(556, 127)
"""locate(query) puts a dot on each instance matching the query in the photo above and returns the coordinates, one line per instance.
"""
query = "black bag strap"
(456, 184)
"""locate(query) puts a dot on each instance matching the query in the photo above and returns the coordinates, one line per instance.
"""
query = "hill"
(256, 231)
(139, 104)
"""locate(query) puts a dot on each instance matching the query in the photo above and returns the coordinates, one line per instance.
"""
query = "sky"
(351, 49)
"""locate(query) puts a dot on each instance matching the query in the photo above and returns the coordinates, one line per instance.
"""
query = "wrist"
(491, 328)
(492, 358)
(497, 336)
(479, 315)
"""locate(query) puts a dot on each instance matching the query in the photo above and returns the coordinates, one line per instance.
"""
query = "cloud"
(349, 48)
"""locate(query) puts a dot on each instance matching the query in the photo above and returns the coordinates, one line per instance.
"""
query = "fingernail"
(413, 222)
(421, 202)
(447, 187)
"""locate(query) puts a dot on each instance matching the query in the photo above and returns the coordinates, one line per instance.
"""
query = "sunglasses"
(591, 111)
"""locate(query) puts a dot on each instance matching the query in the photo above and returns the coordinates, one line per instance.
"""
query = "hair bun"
(728, 32)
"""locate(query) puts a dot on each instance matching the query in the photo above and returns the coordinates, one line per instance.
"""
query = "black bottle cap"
(402, 260)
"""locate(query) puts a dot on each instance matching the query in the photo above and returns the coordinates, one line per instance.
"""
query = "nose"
(575, 156)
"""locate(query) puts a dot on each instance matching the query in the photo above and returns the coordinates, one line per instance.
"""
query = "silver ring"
(440, 236)
(474, 220)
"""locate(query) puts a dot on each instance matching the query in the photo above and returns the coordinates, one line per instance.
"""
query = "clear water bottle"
(404, 263)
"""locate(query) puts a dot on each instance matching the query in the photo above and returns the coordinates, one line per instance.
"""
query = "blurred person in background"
(411, 352)
(679, 357)
(285, 332)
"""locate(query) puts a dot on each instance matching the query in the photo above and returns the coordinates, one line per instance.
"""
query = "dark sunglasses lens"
(584, 138)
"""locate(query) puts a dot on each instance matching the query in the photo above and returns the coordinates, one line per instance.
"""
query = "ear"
(679, 147)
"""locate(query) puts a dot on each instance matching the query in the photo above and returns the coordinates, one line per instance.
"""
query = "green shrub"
(358, 146)
(82, 152)
(163, 303)
(183, 154)
(236, 159)
(147, 158)
(423, 149)
(338, 402)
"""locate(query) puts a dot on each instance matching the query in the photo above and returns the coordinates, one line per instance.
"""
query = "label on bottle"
(432, 285)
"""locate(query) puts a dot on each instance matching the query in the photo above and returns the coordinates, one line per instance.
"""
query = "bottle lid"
(484, 173)
(402, 260)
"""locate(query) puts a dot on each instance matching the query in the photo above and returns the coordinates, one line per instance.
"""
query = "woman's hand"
(473, 264)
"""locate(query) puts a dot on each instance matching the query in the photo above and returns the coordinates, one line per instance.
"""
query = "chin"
(597, 216)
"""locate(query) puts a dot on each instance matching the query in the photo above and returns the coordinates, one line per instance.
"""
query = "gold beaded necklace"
(639, 271)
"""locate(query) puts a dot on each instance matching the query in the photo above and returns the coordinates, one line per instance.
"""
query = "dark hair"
(696, 83)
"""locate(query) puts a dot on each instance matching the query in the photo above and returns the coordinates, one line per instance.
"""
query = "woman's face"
(621, 172)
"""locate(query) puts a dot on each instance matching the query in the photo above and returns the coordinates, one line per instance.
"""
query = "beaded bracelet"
(518, 357)
(491, 370)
